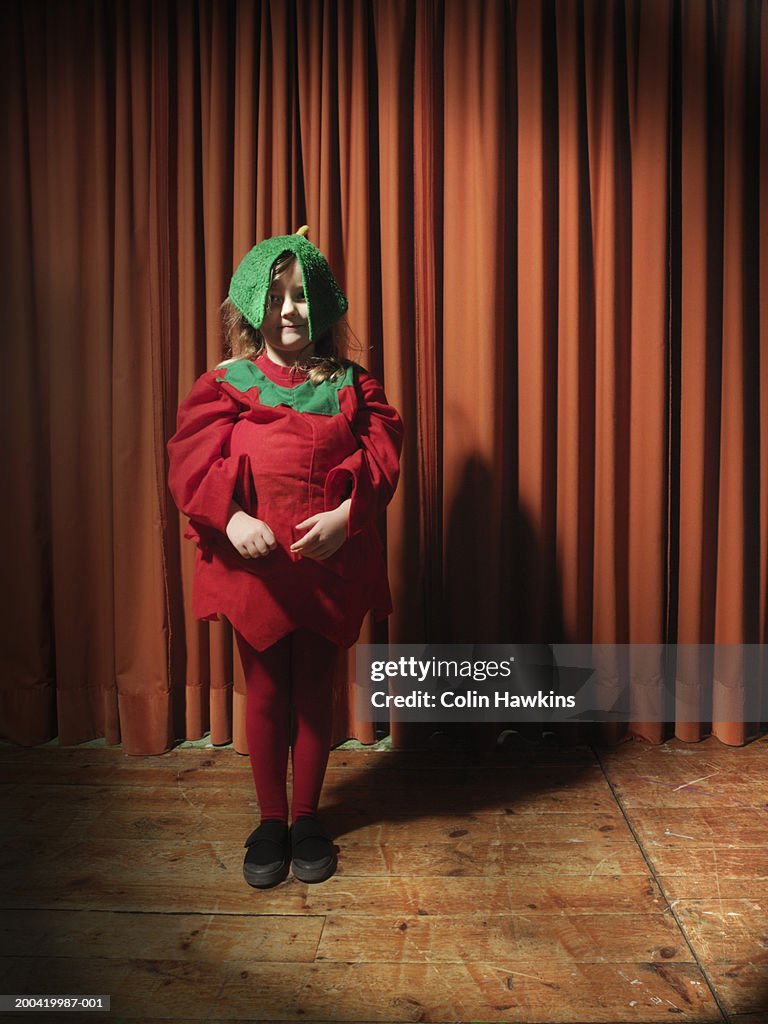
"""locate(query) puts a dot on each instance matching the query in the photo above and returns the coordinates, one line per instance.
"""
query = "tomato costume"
(285, 449)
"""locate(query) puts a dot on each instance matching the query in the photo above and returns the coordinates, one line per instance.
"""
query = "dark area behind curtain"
(548, 220)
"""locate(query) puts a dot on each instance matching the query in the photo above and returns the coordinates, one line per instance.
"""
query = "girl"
(283, 458)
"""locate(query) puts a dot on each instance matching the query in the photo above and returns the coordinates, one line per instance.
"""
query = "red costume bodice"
(286, 449)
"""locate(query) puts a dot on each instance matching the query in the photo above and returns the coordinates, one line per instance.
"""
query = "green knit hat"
(326, 302)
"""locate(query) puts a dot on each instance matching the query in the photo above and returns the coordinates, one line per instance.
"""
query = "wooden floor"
(539, 885)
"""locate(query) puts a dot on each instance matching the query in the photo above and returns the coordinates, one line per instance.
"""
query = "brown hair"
(243, 341)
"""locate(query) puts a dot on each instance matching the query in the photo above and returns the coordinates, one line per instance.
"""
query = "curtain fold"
(548, 219)
(641, 460)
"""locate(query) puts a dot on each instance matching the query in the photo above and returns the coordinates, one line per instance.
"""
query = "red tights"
(296, 671)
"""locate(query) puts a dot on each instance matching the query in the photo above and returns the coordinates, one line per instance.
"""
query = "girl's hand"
(328, 533)
(251, 537)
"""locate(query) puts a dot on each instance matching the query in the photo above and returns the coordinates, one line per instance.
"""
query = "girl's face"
(285, 327)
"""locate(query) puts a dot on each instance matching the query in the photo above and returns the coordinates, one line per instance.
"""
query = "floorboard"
(582, 886)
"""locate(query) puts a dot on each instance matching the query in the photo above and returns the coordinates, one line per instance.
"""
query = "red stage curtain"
(547, 217)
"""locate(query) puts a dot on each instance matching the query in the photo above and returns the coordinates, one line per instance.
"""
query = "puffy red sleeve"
(201, 477)
(373, 470)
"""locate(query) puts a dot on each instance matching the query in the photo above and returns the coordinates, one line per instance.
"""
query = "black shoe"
(269, 854)
(312, 852)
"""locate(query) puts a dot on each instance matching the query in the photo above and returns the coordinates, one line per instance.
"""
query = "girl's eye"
(277, 300)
